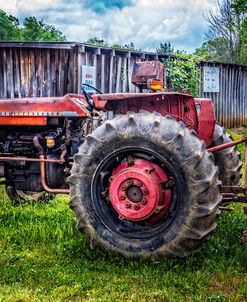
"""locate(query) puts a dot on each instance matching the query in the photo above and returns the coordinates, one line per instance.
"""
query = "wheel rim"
(138, 191)
(149, 224)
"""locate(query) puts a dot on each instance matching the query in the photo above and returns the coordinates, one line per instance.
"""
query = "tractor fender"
(206, 119)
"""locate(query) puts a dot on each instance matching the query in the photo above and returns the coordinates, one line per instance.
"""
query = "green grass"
(44, 258)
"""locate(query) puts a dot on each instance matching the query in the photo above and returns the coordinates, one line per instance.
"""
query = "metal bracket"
(231, 193)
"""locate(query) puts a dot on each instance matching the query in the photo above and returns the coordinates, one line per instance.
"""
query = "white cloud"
(9, 6)
(147, 23)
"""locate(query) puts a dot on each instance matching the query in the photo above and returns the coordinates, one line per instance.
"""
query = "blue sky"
(146, 23)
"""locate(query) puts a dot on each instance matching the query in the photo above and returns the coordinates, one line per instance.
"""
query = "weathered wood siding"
(53, 69)
(31, 72)
(113, 67)
(231, 102)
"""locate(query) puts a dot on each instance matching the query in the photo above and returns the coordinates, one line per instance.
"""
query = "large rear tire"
(228, 160)
(190, 219)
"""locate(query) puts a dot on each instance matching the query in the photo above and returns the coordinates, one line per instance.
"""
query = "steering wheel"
(88, 97)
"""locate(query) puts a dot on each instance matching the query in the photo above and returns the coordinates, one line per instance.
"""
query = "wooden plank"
(112, 55)
(15, 67)
(129, 71)
(39, 73)
(242, 96)
(102, 72)
(118, 77)
(80, 60)
(1, 76)
(71, 72)
(36, 45)
(98, 72)
(48, 70)
(31, 68)
(53, 71)
(245, 96)
(44, 73)
(10, 75)
(107, 73)
(76, 70)
(56, 68)
(124, 74)
(66, 71)
(22, 72)
(4, 74)
(61, 72)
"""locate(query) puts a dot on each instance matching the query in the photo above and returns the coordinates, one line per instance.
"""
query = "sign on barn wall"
(211, 79)
(88, 76)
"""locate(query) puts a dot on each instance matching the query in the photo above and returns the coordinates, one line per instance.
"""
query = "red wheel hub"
(137, 191)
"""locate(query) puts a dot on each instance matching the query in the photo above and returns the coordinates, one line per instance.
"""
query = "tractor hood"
(36, 111)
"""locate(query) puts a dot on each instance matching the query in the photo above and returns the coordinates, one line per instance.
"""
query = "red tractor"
(146, 172)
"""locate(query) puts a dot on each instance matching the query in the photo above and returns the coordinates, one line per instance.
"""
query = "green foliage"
(35, 30)
(228, 32)
(240, 7)
(217, 50)
(102, 43)
(165, 48)
(183, 72)
(9, 27)
(31, 30)
(96, 42)
(128, 46)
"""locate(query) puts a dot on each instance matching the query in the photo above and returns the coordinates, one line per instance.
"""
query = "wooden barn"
(33, 69)
(54, 69)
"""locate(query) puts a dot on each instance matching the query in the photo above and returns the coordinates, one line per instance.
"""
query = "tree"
(128, 46)
(9, 27)
(32, 29)
(96, 42)
(225, 32)
(35, 30)
(165, 48)
(216, 50)
(240, 7)
(102, 43)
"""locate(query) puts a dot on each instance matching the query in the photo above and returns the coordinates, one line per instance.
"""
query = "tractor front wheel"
(18, 196)
(144, 185)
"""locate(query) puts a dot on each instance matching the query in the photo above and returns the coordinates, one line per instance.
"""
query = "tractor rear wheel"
(228, 160)
(18, 196)
(144, 185)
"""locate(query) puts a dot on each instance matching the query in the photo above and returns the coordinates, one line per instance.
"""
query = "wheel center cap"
(136, 190)
(134, 194)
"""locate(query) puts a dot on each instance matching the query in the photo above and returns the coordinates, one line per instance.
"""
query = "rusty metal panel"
(143, 71)
(230, 102)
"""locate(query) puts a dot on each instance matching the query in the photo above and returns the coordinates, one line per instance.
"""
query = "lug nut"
(149, 170)
(144, 201)
(139, 183)
(137, 206)
(123, 188)
(144, 192)
(122, 197)
(130, 182)
(128, 205)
